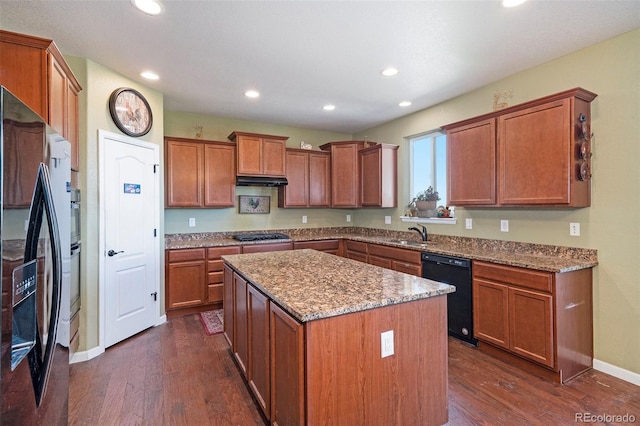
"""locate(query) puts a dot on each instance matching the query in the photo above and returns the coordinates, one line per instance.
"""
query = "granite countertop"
(526, 255)
(311, 285)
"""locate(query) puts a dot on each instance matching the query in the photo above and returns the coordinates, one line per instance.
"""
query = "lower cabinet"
(539, 316)
(258, 371)
(397, 259)
(215, 277)
(327, 246)
(260, 248)
(240, 322)
(356, 250)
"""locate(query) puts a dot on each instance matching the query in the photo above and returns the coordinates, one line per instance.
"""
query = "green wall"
(179, 124)
(612, 70)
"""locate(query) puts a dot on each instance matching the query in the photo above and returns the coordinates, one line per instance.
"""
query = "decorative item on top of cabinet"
(524, 155)
(379, 176)
(34, 70)
(260, 155)
(308, 174)
(199, 173)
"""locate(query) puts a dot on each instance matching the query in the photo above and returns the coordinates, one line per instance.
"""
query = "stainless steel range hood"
(260, 181)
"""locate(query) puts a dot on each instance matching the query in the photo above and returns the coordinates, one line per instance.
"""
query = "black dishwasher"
(455, 271)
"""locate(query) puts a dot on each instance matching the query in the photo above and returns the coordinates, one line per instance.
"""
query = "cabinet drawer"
(216, 292)
(380, 261)
(409, 256)
(324, 245)
(183, 255)
(215, 265)
(355, 246)
(215, 277)
(215, 252)
(359, 256)
(407, 268)
(258, 248)
(527, 278)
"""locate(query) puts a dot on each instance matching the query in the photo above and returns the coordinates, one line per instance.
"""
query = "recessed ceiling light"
(389, 72)
(404, 104)
(512, 3)
(150, 7)
(252, 94)
(329, 107)
(149, 75)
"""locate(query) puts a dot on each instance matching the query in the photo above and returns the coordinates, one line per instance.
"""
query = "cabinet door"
(380, 261)
(57, 96)
(273, 157)
(228, 306)
(319, 179)
(491, 312)
(186, 281)
(259, 359)
(249, 155)
(184, 174)
(72, 132)
(534, 155)
(240, 329)
(215, 279)
(295, 193)
(287, 369)
(219, 175)
(344, 175)
(531, 325)
(371, 182)
(471, 164)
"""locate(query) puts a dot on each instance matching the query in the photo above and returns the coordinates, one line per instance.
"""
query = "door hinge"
(155, 168)
(155, 296)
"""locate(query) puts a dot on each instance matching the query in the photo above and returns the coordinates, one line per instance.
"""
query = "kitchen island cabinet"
(360, 302)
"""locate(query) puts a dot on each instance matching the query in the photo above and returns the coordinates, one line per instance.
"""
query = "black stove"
(259, 237)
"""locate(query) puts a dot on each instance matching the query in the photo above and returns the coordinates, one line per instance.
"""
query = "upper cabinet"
(199, 173)
(260, 155)
(379, 176)
(533, 154)
(345, 172)
(308, 174)
(34, 70)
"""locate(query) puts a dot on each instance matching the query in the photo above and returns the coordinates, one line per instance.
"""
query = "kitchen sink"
(421, 244)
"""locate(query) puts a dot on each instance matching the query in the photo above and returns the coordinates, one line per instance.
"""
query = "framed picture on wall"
(254, 204)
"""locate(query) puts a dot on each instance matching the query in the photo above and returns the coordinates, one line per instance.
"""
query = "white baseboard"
(620, 373)
(86, 355)
(161, 320)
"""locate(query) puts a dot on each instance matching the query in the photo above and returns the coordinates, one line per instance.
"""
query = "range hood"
(260, 181)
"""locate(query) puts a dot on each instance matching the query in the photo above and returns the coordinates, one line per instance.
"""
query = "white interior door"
(129, 205)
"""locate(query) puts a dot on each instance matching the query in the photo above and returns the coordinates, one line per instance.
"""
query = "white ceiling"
(302, 55)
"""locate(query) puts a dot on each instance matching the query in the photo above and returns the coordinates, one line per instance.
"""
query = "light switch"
(504, 225)
(574, 229)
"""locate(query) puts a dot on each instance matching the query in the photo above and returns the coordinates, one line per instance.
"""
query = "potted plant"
(426, 201)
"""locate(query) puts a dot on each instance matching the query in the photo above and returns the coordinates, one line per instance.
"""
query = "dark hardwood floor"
(174, 374)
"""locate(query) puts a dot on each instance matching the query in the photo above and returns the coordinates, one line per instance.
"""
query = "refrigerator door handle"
(42, 205)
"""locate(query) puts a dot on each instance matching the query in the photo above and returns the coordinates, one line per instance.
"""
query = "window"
(429, 164)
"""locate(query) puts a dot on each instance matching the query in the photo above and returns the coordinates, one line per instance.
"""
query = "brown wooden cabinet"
(34, 70)
(401, 260)
(199, 173)
(525, 155)
(345, 172)
(539, 316)
(327, 246)
(228, 304)
(258, 373)
(379, 176)
(260, 155)
(185, 278)
(308, 174)
(259, 248)
(240, 323)
(287, 368)
(356, 250)
(215, 271)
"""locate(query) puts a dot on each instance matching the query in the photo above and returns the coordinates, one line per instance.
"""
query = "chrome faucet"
(422, 232)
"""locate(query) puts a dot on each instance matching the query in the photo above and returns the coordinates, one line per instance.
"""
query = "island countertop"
(312, 285)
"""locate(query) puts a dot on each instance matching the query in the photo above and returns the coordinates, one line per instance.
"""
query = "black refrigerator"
(34, 227)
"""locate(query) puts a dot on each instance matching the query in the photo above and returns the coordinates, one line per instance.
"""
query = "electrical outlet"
(386, 344)
(304, 219)
(192, 222)
(468, 223)
(574, 229)
(504, 225)
(348, 218)
(387, 220)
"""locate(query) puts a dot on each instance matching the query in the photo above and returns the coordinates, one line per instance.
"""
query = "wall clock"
(130, 111)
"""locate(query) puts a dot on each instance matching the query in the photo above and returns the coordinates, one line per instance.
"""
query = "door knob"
(112, 253)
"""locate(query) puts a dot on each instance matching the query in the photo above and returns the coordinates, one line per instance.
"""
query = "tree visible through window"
(429, 164)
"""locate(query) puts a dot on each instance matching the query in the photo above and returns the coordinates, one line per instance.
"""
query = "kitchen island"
(306, 332)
